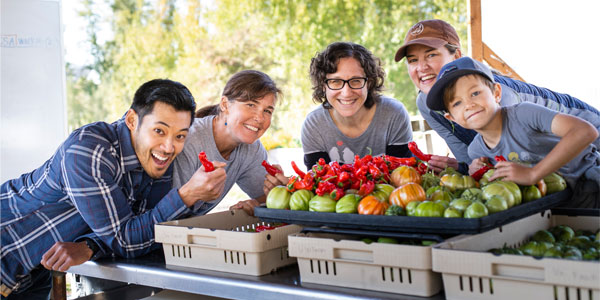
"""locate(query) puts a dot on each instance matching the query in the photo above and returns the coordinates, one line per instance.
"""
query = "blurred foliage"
(202, 43)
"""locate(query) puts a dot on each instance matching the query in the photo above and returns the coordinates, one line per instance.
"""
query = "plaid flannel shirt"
(93, 186)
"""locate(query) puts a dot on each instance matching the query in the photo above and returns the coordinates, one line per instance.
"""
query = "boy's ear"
(497, 92)
(131, 119)
(448, 116)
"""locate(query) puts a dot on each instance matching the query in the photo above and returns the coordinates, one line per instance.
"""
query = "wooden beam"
(475, 41)
(497, 63)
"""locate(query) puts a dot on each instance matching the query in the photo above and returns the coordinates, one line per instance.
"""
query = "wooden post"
(59, 286)
(475, 36)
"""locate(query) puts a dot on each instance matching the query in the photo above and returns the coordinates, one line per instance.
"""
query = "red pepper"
(406, 161)
(367, 159)
(343, 176)
(422, 168)
(290, 187)
(324, 187)
(307, 183)
(260, 228)
(499, 158)
(355, 184)
(270, 169)
(297, 170)
(366, 188)
(357, 162)
(321, 168)
(479, 173)
(337, 193)
(412, 146)
(208, 165)
(375, 172)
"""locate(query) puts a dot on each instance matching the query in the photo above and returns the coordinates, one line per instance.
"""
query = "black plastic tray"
(412, 224)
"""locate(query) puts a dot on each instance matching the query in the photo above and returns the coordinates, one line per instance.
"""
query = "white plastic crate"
(221, 242)
(342, 260)
(470, 272)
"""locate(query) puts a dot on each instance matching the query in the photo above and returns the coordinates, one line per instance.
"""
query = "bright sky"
(550, 43)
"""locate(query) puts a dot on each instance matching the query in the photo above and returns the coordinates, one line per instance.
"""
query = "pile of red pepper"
(334, 179)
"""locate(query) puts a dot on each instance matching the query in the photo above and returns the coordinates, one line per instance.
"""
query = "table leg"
(59, 286)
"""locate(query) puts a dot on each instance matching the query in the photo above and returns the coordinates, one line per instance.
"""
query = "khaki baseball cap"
(432, 33)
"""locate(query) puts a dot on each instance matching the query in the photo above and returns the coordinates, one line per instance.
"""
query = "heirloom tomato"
(279, 198)
(322, 204)
(429, 209)
(405, 174)
(406, 193)
(476, 210)
(300, 199)
(370, 205)
(347, 204)
(498, 189)
(458, 182)
(554, 183)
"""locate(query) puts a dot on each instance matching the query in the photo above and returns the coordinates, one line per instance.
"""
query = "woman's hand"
(247, 205)
(439, 163)
(273, 181)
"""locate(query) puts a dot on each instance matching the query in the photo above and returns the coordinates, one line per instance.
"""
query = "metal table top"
(284, 283)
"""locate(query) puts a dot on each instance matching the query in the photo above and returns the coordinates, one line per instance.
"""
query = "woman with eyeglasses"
(354, 118)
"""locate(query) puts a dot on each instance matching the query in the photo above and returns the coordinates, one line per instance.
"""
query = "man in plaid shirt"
(101, 192)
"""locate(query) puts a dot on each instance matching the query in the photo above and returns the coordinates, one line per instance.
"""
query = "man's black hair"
(164, 90)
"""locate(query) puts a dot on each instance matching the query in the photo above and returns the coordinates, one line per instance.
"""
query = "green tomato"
(445, 203)
(476, 210)
(496, 204)
(430, 209)
(562, 233)
(534, 248)
(395, 210)
(572, 253)
(543, 236)
(322, 204)
(514, 189)
(457, 182)
(496, 188)
(432, 190)
(460, 204)
(381, 195)
(387, 240)
(347, 204)
(452, 212)
(531, 193)
(472, 194)
(411, 207)
(300, 199)
(554, 183)
(386, 188)
(440, 194)
(591, 254)
(485, 179)
(553, 252)
(279, 198)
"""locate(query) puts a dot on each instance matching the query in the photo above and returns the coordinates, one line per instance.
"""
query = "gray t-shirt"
(243, 166)
(527, 138)
(390, 126)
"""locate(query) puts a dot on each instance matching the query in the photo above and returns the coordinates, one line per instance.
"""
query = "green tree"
(202, 44)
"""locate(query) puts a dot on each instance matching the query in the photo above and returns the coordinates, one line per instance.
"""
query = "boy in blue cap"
(536, 140)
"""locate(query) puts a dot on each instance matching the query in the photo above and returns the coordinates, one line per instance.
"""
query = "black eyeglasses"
(354, 83)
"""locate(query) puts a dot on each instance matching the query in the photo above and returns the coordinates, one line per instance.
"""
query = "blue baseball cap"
(451, 71)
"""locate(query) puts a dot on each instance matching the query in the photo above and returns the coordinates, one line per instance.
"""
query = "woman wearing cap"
(431, 44)
(354, 118)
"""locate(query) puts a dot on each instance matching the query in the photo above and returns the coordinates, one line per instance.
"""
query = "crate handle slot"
(353, 254)
(522, 272)
(202, 240)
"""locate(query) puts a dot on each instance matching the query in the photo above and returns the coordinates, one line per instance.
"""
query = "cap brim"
(435, 97)
(430, 42)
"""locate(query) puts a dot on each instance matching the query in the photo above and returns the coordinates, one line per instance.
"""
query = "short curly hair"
(326, 63)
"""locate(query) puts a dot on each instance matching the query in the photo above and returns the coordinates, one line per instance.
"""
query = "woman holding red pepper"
(228, 133)
(354, 118)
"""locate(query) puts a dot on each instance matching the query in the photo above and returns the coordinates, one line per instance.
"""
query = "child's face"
(474, 105)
